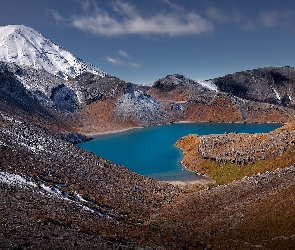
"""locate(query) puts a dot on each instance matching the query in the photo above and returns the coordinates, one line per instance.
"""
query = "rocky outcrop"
(257, 112)
(212, 108)
(48, 90)
(91, 88)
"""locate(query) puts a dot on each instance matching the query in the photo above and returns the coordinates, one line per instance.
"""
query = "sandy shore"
(203, 181)
(95, 134)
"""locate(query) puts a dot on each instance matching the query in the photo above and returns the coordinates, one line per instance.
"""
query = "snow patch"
(19, 181)
(208, 84)
(277, 95)
(52, 190)
(15, 180)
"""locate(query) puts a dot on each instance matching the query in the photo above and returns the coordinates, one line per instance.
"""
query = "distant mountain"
(39, 78)
(25, 46)
(259, 95)
(275, 85)
(180, 88)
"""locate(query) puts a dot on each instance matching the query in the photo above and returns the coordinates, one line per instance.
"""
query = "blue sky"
(141, 41)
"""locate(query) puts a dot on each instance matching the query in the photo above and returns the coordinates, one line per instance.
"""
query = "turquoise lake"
(151, 151)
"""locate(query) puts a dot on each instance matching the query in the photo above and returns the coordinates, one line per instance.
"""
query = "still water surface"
(151, 151)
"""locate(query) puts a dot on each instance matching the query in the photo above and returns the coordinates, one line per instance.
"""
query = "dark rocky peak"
(9, 68)
(180, 88)
(270, 84)
(171, 82)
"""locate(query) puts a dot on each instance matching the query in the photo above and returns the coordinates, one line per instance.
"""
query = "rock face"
(48, 90)
(91, 88)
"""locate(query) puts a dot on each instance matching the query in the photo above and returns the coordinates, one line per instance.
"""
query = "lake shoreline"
(134, 144)
(91, 135)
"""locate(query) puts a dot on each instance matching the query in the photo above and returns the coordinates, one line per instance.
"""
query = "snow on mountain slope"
(208, 84)
(25, 46)
(143, 108)
(28, 85)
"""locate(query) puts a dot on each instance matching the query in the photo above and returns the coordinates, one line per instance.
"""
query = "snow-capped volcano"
(25, 46)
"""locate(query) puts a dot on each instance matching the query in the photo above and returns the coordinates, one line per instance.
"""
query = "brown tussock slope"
(232, 156)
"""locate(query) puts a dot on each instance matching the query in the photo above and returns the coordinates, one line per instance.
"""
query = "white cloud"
(126, 20)
(217, 14)
(229, 16)
(269, 18)
(123, 53)
(86, 3)
(174, 6)
(284, 18)
(120, 61)
(249, 25)
(114, 61)
(134, 65)
(57, 17)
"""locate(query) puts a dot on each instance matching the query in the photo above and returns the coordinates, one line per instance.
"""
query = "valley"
(55, 194)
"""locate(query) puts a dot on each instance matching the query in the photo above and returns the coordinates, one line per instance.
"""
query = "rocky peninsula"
(226, 156)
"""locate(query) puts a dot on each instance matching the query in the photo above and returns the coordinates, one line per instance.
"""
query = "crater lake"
(151, 151)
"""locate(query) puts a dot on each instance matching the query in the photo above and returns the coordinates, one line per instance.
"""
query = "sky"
(142, 41)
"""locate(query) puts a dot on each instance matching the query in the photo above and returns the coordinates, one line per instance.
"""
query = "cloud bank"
(127, 20)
